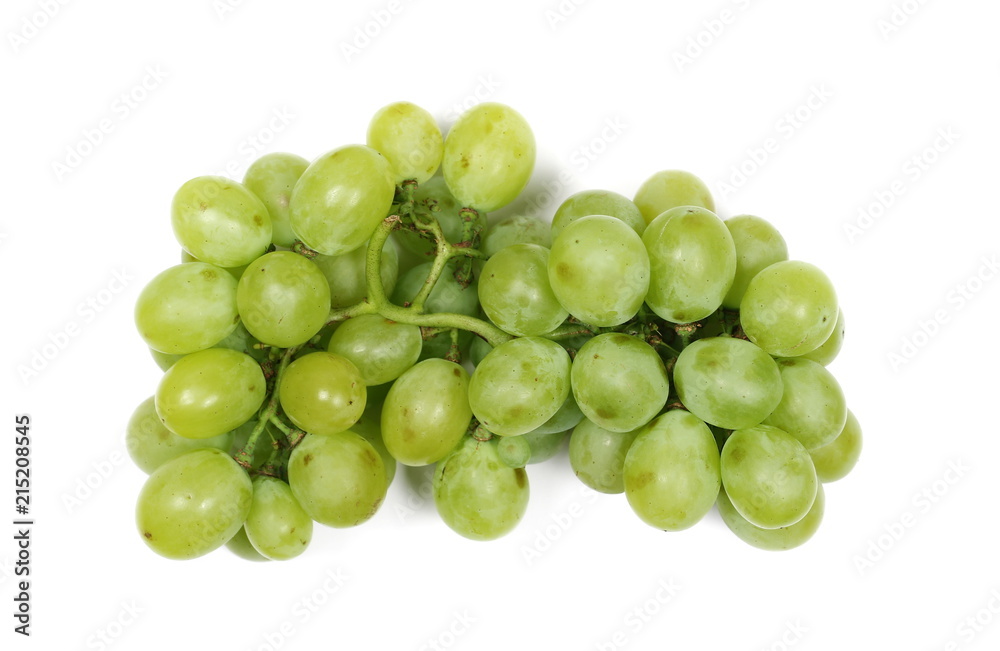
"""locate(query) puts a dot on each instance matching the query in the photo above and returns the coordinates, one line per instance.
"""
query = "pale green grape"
(369, 426)
(778, 539)
(272, 178)
(476, 494)
(210, 392)
(435, 197)
(599, 270)
(768, 476)
(341, 198)
(619, 381)
(829, 349)
(187, 308)
(758, 245)
(726, 382)
(346, 274)
(671, 189)
(812, 407)
(514, 451)
(514, 291)
(516, 229)
(339, 480)
(150, 444)
(489, 155)
(789, 308)
(410, 138)
(240, 546)
(283, 299)
(836, 459)
(672, 474)
(692, 264)
(519, 385)
(276, 525)
(426, 412)
(220, 221)
(597, 456)
(380, 349)
(193, 504)
(568, 416)
(597, 202)
(322, 393)
(543, 446)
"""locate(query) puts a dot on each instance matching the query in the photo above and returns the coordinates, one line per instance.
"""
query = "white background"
(908, 549)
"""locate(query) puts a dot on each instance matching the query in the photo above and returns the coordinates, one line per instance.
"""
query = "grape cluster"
(330, 319)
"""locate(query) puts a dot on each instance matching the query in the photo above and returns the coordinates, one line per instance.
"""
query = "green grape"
(568, 416)
(437, 200)
(447, 296)
(829, 349)
(726, 382)
(322, 393)
(240, 546)
(516, 229)
(346, 274)
(341, 198)
(768, 476)
(476, 494)
(478, 349)
(272, 177)
(339, 480)
(599, 270)
(193, 504)
(515, 294)
(597, 456)
(409, 137)
(520, 385)
(187, 308)
(380, 349)
(789, 308)
(369, 426)
(597, 202)
(836, 459)
(543, 446)
(150, 444)
(210, 392)
(758, 245)
(619, 381)
(812, 407)
(778, 539)
(514, 451)
(276, 525)
(283, 299)
(426, 412)
(489, 155)
(220, 221)
(692, 264)
(235, 272)
(672, 474)
(671, 189)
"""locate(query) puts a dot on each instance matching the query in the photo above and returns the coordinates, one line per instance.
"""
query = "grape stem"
(244, 456)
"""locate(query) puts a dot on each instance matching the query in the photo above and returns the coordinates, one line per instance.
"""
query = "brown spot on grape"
(521, 477)
(258, 220)
(564, 270)
(642, 480)
(605, 414)
(457, 372)
(306, 459)
(737, 455)
(370, 457)
(148, 535)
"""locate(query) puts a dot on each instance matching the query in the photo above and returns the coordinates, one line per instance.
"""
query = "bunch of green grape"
(333, 318)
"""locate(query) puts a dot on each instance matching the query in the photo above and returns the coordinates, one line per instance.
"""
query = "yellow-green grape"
(836, 459)
(426, 412)
(209, 393)
(514, 451)
(768, 476)
(692, 263)
(670, 189)
(779, 539)
(272, 177)
(381, 349)
(322, 393)
(597, 202)
(341, 199)
(758, 246)
(789, 308)
(489, 155)
(150, 444)
(276, 525)
(597, 456)
(410, 138)
(829, 349)
(812, 408)
(283, 299)
(476, 494)
(346, 274)
(339, 480)
(187, 308)
(193, 504)
(516, 229)
(514, 291)
(672, 471)
(435, 197)
(599, 270)
(220, 221)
